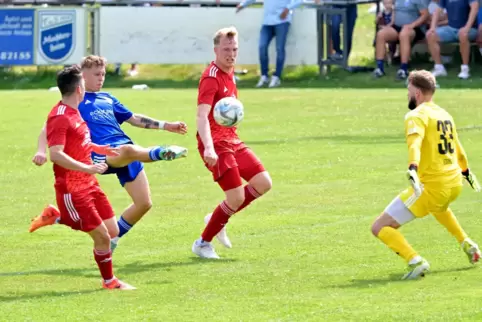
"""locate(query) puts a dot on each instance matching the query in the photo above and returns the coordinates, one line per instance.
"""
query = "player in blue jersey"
(104, 114)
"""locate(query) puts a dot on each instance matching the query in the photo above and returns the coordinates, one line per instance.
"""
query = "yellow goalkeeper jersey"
(441, 156)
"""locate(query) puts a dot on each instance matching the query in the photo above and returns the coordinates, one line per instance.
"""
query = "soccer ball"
(228, 112)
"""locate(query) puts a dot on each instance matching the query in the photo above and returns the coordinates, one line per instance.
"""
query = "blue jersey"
(457, 12)
(104, 114)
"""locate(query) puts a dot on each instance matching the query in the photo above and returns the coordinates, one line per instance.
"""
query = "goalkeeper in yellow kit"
(437, 165)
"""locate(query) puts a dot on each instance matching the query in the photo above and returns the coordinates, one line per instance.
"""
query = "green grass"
(304, 252)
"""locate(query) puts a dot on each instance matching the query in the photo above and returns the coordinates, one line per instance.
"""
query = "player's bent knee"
(144, 205)
(384, 220)
(235, 202)
(101, 237)
(261, 182)
(113, 230)
(127, 151)
(376, 227)
(266, 184)
(235, 198)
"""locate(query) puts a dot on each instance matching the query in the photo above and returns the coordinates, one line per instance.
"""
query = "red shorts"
(84, 210)
(234, 162)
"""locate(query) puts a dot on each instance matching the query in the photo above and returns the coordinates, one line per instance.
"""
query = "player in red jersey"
(223, 153)
(83, 205)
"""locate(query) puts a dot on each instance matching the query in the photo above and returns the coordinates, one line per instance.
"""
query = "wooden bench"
(423, 43)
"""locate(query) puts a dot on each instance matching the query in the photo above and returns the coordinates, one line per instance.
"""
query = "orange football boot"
(117, 284)
(48, 217)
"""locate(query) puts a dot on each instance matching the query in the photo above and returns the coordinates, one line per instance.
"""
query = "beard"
(412, 103)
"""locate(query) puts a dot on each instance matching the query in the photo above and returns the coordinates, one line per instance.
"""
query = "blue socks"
(124, 227)
(404, 67)
(155, 153)
(380, 64)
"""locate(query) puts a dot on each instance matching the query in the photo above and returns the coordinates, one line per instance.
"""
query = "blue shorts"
(128, 173)
(449, 34)
(125, 174)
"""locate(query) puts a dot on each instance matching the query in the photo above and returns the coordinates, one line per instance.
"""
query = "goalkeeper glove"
(471, 179)
(414, 180)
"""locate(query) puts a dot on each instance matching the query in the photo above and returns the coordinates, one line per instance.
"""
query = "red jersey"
(213, 86)
(66, 127)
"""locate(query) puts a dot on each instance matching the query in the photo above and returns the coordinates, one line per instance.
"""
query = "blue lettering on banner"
(56, 30)
(17, 36)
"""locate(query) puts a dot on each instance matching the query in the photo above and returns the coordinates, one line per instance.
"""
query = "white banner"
(180, 35)
(61, 36)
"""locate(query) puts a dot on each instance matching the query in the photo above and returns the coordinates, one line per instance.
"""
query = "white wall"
(181, 35)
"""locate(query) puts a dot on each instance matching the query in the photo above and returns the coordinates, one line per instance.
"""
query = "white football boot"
(222, 236)
(204, 249)
(416, 270)
(472, 250)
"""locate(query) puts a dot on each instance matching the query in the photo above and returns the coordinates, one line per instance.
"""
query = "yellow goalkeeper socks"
(396, 242)
(449, 221)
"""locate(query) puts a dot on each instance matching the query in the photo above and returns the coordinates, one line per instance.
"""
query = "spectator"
(336, 20)
(384, 18)
(407, 26)
(276, 23)
(462, 15)
(442, 21)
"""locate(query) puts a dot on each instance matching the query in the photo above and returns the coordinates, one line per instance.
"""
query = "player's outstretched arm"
(59, 157)
(146, 122)
(40, 157)
(202, 121)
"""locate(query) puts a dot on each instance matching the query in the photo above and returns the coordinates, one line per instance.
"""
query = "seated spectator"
(461, 27)
(384, 18)
(407, 27)
(442, 21)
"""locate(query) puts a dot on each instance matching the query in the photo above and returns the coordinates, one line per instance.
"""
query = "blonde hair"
(93, 61)
(423, 80)
(229, 32)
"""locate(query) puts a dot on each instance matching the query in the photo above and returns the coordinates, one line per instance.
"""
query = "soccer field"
(303, 252)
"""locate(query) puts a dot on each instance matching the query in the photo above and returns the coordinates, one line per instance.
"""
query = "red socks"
(222, 213)
(219, 218)
(104, 262)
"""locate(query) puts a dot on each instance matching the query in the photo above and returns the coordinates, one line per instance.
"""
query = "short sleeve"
(57, 130)
(121, 112)
(208, 88)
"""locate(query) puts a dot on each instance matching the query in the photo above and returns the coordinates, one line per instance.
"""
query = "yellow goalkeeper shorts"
(430, 201)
